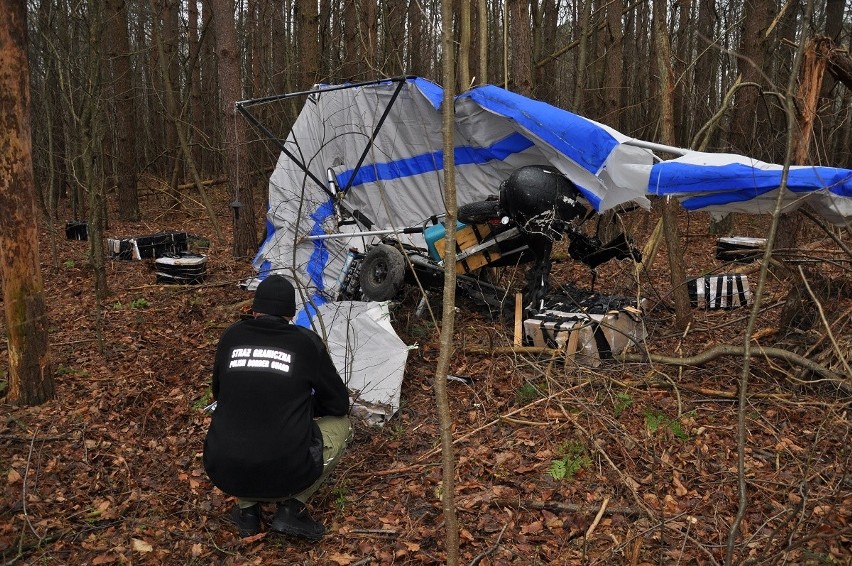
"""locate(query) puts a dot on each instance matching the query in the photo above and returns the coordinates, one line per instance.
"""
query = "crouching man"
(280, 424)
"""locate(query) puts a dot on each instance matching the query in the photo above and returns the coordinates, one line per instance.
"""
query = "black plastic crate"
(719, 291)
(740, 249)
(77, 230)
(182, 269)
(149, 247)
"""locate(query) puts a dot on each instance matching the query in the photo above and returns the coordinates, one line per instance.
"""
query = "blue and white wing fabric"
(301, 205)
(593, 156)
(720, 183)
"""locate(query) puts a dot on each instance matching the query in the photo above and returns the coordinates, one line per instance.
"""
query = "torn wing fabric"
(367, 353)
(720, 183)
(611, 169)
(594, 156)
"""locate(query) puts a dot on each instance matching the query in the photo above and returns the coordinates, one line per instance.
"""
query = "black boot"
(292, 518)
(247, 519)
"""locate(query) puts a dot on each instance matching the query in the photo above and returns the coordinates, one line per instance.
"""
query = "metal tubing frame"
(242, 108)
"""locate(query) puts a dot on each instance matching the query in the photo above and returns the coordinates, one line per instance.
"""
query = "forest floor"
(556, 463)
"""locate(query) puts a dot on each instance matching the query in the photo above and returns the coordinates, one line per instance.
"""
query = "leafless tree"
(448, 501)
(124, 108)
(245, 236)
(30, 372)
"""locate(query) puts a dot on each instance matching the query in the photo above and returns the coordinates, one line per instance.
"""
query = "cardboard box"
(714, 292)
(589, 337)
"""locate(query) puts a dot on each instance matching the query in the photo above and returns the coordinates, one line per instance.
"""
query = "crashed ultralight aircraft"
(365, 160)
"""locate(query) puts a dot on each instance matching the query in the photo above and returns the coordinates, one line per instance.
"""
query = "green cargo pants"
(336, 434)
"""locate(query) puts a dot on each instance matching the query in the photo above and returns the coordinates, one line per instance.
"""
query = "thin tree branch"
(825, 323)
(490, 550)
(728, 350)
(758, 297)
(696, 360)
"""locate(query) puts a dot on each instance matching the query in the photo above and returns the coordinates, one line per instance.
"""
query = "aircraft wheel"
(382, 273)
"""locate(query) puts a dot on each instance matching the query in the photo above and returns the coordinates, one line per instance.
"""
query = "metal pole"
(656, 146)
(417, 230)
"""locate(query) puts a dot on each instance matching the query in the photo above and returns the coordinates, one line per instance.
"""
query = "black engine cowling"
(541, 200)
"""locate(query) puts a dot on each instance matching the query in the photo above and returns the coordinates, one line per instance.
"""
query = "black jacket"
(270, 379)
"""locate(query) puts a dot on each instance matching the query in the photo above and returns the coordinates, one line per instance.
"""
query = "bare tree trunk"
(125, 110)
(834, 31)
(815, 60)
(448, 502)
(546, 80)
(394, 12)
(680, 294)
(683, 66)
(464, 46)
(582, 37)
(482, 64)
(54, 128)
(369, 26)
(329, 38)
(416, 55)
(171, 83)
(208, 92)
(520, 55)
(706, 69)
(613, 66)
(250, 41)
(30, 372)
(91, 135)
(245, 235)
(307, 32)
(831, 118)
(196, 113)
(351, 64)
(757, 17)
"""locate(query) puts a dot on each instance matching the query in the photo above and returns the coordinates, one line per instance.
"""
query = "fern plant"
(573, 458)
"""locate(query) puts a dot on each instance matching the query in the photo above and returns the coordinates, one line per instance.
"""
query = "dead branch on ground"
(696, 360)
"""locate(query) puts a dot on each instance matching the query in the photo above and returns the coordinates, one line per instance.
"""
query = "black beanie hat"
(276, 296)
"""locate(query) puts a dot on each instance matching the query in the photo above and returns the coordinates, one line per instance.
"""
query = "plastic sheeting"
(367, 353)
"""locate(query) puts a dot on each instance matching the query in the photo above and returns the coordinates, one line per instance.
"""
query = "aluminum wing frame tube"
(242, 108)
